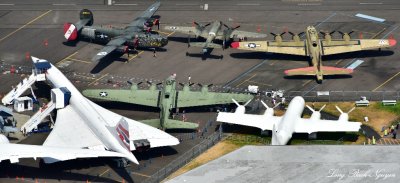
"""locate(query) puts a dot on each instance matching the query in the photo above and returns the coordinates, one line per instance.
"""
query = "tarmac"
(34, 28)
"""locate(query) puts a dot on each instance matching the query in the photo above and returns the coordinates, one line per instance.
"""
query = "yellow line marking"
(77, 60)
(338, 62)
(104, 172)
(170, 34)
(134, 56)
(246, 80)
(98, 79)
(66, 58)
(140, 174)
(380, 32)
(306, 83)
(259, 83)
(163, 32)
(40, 16)
(386, 81)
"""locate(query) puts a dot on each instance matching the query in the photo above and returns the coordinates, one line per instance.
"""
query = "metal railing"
(186, 157)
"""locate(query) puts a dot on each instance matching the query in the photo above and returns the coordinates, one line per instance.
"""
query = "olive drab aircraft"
(137, 34)
(315, 48)
(215, 32)
(167, 99)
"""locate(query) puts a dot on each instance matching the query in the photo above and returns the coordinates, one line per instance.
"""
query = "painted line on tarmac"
(140, 174)
(134, 56)
(64, 4)
(126, 4)
(332, 15)
(245, 73)
(77, 60)
(7, 4)
(390, 32)
(37, 18)
(98, 79)
(386, 81)
(371, 3)
(248, 4)
(246, 80)
(66, 58)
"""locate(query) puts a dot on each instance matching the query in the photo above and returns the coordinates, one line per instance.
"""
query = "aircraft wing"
(14, 152)
(198, 98)
(204, 44)
(137, 130)
(242, 34)
(184, 30)
(284, 47)
(139, 97)
(142, 18)
(110, 47)
(310, 126)
(341, 46)
(70, 130)
(253, 120)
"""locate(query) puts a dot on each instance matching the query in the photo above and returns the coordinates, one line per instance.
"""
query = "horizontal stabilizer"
(205, 45)
(311, 71)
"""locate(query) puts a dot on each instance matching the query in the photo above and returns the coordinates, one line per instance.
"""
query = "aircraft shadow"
(360, 54)
(267, 56)
(57, 171)
(126, 106)
(326, 77)
(155, 153)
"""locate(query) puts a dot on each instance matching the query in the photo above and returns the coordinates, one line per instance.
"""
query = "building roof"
(312, 163)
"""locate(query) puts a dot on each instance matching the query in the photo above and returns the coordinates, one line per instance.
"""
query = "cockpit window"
(167, 95)
(314, 44)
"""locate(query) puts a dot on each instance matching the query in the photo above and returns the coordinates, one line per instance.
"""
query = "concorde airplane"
(85, 125)
(291, 122)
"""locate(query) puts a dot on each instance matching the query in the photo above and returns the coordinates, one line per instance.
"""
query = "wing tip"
(235, 45)
(392, 42)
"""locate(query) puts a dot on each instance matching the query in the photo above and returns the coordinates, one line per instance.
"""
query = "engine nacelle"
(122, 49)
(4, 139)
(151, 22)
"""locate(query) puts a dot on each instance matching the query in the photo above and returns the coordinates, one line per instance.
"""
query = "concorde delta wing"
(284, 47)
(342, 46)
(110, 47)
(310, 126)
(198, 98)
(139, 97)
(70, 130)
(254, 120)
(242, 34)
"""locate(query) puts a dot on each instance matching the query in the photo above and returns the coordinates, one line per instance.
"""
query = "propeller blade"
(247, 103)
(311, 109)
(341, 112)
(351, 110)
(236, 27)
(226, 26)
(276, 105)
(149, 82)
(195, 23)
(264, 104)
(291, 33)
(181, 84)
(273, 34)
(199, 84)
(234, 101)
(158, 84)
(350, 32)
(322, 33)
(340, 32)
(207, 25)
(301, 33)
(191, 84)
(282, 33)
(129, 82)
(332, 32)
(322, 108)
(140, 83)
(210, 85)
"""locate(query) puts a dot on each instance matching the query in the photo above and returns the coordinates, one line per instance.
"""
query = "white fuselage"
(95, 122)
(284, 129)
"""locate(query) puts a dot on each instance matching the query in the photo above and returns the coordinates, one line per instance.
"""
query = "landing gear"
(120, 162)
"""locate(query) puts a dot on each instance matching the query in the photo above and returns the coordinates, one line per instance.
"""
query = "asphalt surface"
(35, 28)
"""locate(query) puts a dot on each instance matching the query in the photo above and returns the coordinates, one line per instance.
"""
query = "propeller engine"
(327, 35)
(241, 109)
(278, 37)
(134, 86)
(227, 34)
(204, 88)
(152, 85)
(345, 35)
(186, 86)
(316, 115)
(296, 37)
(344, 117)
(270, 110)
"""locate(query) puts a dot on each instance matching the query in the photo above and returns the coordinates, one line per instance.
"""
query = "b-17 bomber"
(315, 48)
(167, 99)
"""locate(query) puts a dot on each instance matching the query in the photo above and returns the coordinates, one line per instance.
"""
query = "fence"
(340, 96)
(186, 157)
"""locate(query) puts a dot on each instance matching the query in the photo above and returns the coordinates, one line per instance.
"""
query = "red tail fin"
(70, 32)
